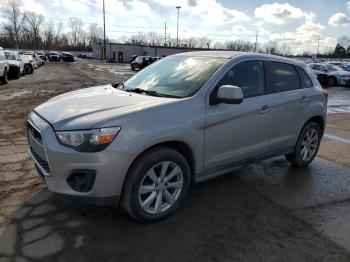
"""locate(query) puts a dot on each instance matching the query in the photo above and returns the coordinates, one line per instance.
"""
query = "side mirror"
(229, 95)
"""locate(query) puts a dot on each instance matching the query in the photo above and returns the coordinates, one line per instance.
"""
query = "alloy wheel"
(160, 187)
(309, 144)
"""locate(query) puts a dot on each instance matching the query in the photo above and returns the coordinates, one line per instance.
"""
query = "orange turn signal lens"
(106, 139)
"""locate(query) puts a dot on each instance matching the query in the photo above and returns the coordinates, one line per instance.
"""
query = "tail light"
(325, 93)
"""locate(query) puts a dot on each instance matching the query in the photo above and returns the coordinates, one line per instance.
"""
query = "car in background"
(53, 56)
(133, 58)
(16, 64)
(141, 62)
(28, 64)
(67, 57)
(4, 67)
(36, 63)
(41, 55)
(335, 74)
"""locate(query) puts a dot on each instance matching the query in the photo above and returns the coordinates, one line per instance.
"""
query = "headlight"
(94, 140)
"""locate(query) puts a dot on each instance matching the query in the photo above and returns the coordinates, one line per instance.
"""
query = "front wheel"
(307, 145)
(156, 184)
(4, 78)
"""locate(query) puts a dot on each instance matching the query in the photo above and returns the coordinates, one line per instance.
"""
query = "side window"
(284, 77)
(305, 78)
(249, 76)
(2, 55)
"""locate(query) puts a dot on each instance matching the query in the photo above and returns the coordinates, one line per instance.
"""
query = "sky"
(298, 23)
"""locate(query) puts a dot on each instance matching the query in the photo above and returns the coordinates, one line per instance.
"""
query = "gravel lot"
(264, 212)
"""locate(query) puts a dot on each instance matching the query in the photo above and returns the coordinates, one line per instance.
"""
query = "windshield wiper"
(148, 92)
(118, 85)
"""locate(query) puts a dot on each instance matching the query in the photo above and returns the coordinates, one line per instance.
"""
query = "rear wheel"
(18, 73)
(156, 184)
(4, 78)
(307, 145)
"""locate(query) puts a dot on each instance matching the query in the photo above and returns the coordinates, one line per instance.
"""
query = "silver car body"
(220, 137)
(18, 62)
(3, 62)
(342, 76)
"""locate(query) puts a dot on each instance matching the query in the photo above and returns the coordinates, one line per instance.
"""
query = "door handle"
(304, 99)
(264, 110)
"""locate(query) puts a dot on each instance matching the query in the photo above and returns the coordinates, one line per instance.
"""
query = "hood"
(89, 107)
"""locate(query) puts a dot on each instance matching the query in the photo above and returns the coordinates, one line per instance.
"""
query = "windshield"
(333, 68)
(177, 76)
(10, 56)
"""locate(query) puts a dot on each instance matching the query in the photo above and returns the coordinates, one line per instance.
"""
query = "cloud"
(279, 14)
(241, 29)
(77, 6)
(207, 10)
(31, 6)
(348, 4)
(306, 36)
(339, 19)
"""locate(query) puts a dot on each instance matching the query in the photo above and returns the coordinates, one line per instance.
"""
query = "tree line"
(29, 30)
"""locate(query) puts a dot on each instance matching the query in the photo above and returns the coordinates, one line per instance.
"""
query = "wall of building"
(123, 52)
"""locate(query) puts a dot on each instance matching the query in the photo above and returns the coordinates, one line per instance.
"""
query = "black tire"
(28, 69)
(296, 157)
(331, 81)
(136, 175)
(4, 78)
(18, 73)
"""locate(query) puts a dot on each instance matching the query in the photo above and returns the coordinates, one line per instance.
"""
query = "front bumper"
(58, 163)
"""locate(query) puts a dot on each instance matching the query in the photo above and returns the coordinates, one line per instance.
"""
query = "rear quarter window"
(305, 79)
(284, 77)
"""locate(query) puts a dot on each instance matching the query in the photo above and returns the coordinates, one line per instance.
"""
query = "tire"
(28, 69)
(156, 190)
(306, 150)
(18, 73)
(4, 78)
(331, 81)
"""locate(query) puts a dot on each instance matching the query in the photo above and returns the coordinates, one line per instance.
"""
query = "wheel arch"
(181, 147)
(317, 119)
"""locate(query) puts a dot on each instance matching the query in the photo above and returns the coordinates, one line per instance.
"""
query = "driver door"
(236, 132)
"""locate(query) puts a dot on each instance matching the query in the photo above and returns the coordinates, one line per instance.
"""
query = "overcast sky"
(299, 23)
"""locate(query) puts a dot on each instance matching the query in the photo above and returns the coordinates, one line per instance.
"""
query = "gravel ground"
(264, 212)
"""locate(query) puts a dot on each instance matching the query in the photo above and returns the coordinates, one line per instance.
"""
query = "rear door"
(289, 102)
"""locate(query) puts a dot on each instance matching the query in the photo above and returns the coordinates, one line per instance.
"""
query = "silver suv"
(184, 119)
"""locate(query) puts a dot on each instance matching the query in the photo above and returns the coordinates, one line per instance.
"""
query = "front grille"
(35, 133)
(41, 161)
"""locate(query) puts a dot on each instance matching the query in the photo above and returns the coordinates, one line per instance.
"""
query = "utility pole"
(104, 31)
(318, 45)
(256, 40)
(177, 27)
(165, 34)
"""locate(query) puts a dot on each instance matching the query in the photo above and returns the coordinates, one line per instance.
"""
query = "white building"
(122, 53)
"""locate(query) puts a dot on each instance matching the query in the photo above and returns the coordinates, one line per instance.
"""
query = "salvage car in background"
(28, 64)
(67, 57)
(53, 56)
(141, 62)
(335, 74)
(16, 64)
(4, 67)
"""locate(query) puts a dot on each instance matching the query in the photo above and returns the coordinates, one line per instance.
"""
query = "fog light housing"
(81, 180)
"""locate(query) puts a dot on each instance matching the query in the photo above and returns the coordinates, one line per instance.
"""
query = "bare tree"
(75, 25)
(34, 22)
(95, 34)
(15, 18)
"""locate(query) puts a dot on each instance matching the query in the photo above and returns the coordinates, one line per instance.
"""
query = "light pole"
(104, 31)
(177, 27)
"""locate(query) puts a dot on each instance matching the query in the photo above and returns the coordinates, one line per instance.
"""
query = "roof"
(234, 54)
